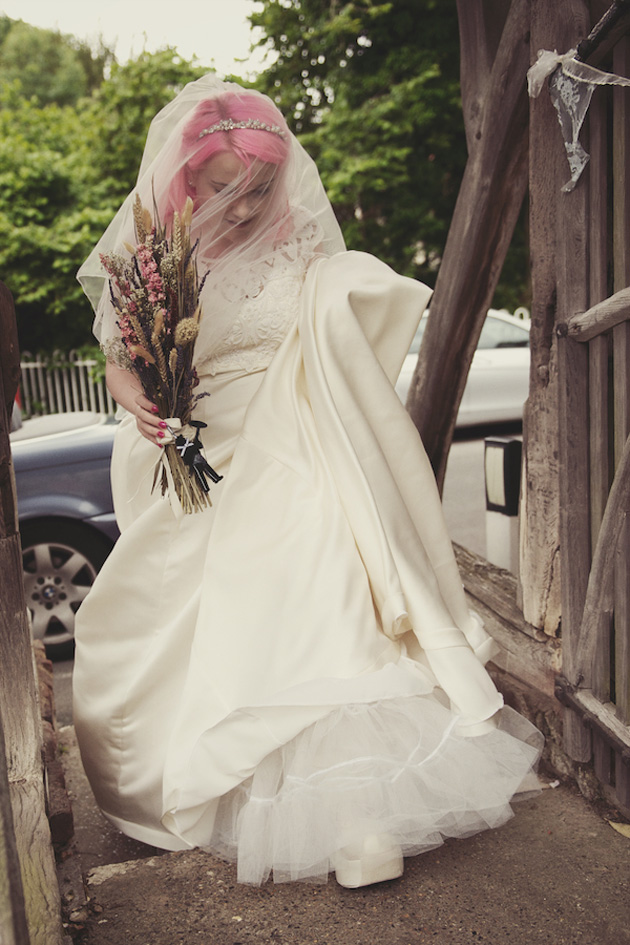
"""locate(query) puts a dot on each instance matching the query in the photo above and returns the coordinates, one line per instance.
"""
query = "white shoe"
(374, 860)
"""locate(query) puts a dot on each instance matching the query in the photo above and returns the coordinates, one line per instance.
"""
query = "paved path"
(556, 874)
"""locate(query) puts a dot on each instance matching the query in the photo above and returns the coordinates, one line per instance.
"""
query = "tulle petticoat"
(397, 767)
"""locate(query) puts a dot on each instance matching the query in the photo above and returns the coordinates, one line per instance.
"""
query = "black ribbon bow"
(190, 451)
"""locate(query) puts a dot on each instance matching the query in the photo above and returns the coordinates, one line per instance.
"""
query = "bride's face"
(245, 192)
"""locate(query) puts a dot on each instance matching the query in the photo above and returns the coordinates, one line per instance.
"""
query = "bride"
(290, 678)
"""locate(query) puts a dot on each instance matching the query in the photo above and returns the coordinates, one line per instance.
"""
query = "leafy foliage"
(372, 88)
(44, 223)
(63, 171)
(124, 106)
(49, 66)
(373, 91)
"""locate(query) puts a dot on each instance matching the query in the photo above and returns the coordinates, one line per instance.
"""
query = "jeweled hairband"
(254, 124)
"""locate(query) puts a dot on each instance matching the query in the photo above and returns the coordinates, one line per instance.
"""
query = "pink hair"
(246, 143)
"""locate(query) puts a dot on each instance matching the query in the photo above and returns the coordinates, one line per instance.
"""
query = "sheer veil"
(206, 118)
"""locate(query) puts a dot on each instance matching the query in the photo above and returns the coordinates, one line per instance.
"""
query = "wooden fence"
(594, 419)
(61, 384)
(595, 685)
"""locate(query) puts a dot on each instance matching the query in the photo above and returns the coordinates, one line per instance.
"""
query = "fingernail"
(160, 434)
(154, 409)
(163, 424)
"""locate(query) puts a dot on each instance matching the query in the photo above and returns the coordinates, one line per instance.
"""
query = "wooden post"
(560, 26)
(599, 407)
(575, 526)
(29, 896)
(621, 395)
(13, 924)
(574, 519)
(490, 197)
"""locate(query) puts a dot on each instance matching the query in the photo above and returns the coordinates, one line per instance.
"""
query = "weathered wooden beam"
(487, 207)
(13, 924)
(621, 400)
(525, 653)
(574, 519)
(606, 31)
(583, 326)
(600, 473)
(37, 864)
(621, 370)
(480, 29)
(22, 789)
(599, 486)
(597, 713)
(554, 218)
(599, 595)
(574, 506)
(497, 588)
(555, 479)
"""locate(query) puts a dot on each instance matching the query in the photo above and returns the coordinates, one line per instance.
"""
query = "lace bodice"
(244, 319)
(245, 335)
(259, 326)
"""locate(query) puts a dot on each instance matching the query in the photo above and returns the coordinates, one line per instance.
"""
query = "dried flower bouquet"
(156, 295)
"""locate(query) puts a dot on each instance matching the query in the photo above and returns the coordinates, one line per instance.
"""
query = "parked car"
(498, 381)
(65, 508)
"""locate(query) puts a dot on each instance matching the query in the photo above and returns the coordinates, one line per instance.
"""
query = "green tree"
(46, 224)
(372, 89)
(122, 109)
(48, 65)
(5, 25)
(63, 172)
(96, 62)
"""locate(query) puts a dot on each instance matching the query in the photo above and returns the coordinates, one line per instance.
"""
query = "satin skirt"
(251, 705)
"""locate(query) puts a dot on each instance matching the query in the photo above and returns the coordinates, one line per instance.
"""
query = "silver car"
(498, 381)
(66, 515)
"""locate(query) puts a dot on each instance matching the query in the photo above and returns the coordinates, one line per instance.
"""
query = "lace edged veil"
(236, 256)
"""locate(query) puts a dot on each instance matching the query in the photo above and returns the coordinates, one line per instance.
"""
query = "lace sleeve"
(305, 241)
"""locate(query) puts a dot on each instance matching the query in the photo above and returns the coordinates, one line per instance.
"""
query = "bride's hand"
(148, 422)
(126, 391)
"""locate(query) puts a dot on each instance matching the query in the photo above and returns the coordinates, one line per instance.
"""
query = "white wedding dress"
(294, 668)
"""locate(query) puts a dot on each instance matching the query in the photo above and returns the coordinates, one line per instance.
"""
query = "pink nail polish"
(163, 424)
(160, 434)
(154, 409)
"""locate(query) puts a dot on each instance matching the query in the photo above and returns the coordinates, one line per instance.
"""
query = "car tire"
(60, 561)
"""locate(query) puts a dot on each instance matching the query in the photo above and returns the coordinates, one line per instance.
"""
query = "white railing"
(61, 384)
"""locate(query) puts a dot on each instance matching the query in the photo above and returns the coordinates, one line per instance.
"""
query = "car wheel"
(60, 562)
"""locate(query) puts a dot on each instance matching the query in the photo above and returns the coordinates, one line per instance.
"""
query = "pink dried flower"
(149, 313)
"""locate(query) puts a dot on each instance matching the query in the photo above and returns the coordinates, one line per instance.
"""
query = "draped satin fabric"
(322, 578)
